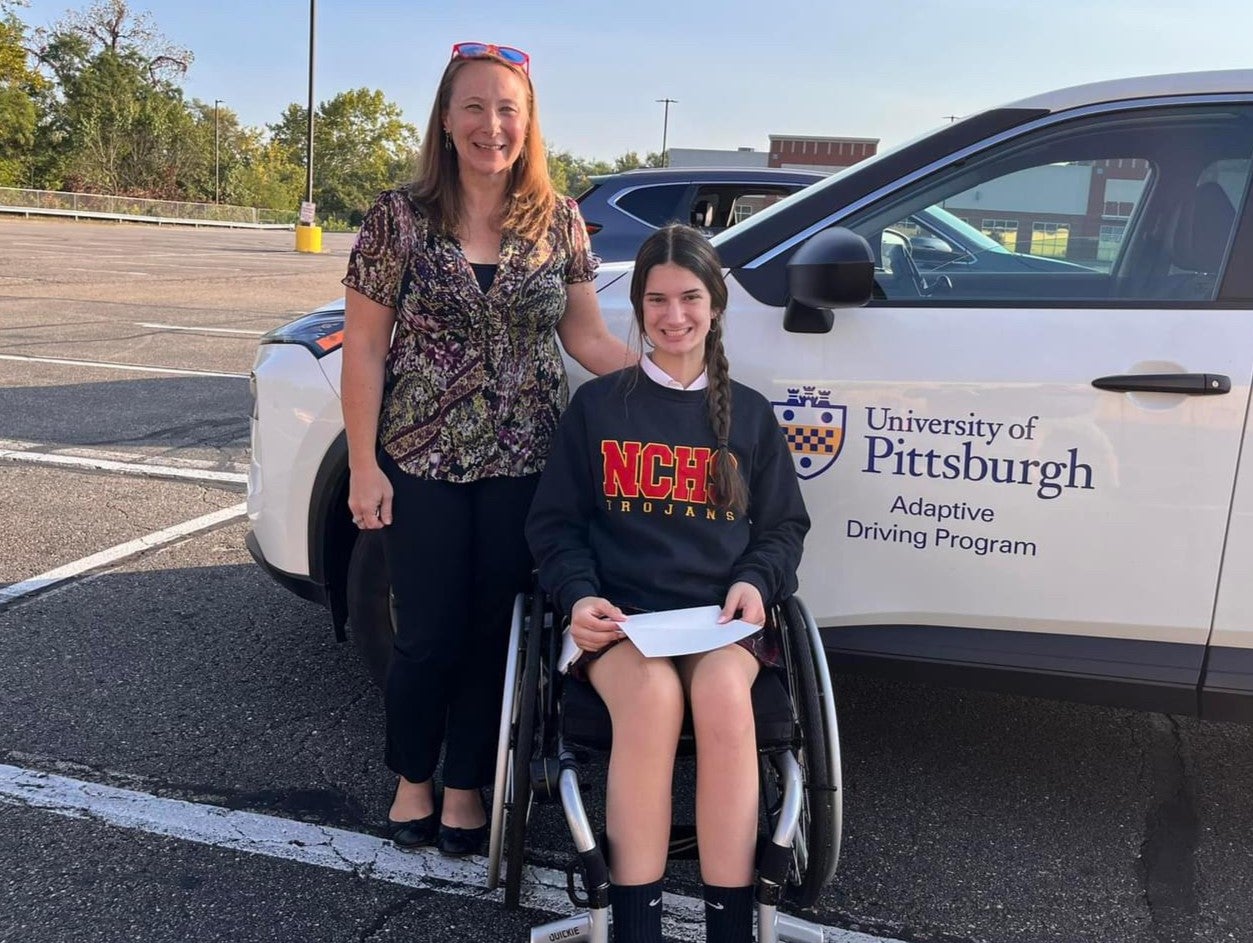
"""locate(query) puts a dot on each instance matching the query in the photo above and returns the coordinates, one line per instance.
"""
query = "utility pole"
(313, 5)
(665, 126)
(217, 146)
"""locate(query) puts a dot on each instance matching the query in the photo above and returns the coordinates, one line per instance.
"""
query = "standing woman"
(479, 266)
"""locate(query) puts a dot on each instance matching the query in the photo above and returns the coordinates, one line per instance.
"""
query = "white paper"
(668, 633)
(570, 652)
(684, 631)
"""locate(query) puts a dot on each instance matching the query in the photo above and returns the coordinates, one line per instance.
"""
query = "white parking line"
(137, 368)
(37, 449)
(118, 553)
(142, 469)
(322, 846)
(198, 330)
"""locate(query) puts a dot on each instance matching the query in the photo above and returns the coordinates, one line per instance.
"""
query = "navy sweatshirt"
(622, 509)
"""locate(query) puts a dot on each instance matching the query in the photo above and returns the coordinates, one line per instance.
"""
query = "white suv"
(1020, 477)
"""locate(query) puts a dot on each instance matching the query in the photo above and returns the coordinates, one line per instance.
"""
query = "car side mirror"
(832, 269)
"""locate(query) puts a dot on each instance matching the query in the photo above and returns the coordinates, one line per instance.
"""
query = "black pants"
(457, 557)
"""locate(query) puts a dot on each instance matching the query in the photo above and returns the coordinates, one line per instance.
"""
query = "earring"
(447, 140)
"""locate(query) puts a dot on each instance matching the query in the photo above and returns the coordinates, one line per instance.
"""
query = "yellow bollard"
(308, 238)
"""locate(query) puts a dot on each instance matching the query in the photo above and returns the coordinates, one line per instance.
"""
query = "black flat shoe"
(416, 833)
(459, 842)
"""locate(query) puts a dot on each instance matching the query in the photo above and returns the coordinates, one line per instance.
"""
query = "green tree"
(112, 26)
(361, 145)
(213, 133)
(126, 135)
(118, 123)
(572, 175)
(631, 160)
(265, 175)
(22, 93)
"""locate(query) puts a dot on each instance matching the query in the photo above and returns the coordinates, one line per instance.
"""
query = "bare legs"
(719, 686)
(645, 700)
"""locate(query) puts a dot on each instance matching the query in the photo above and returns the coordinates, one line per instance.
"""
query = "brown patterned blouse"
(475, 382)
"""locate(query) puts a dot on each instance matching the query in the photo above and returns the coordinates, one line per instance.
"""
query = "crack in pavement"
(386, 915)
(1167, 864)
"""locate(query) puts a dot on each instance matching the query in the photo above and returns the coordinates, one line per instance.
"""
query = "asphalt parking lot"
(186, 752)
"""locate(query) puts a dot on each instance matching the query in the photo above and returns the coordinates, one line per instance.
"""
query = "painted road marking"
(322, 846)
(118, 553)
(109, 455)
(199, 330)
(137, 368)
(142, 469)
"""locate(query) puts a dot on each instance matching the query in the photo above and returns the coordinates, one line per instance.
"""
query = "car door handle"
(1193, 384)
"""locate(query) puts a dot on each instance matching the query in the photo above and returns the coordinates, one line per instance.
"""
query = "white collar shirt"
(660, 377)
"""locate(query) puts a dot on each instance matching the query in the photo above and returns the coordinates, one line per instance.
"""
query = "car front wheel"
(369, 604)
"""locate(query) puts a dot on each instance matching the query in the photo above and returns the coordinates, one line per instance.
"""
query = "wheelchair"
(550, 723)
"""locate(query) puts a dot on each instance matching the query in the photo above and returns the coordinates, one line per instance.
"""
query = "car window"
(655, 205)
(1134, 207)
(750, 202)
(719, 206)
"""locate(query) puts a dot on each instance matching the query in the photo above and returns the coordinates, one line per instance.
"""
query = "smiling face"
(677, 311)
(487, 117)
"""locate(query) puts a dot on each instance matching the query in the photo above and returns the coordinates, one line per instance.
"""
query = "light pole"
(217, 147)
(665, 126)
(313, 6)
(308, 233)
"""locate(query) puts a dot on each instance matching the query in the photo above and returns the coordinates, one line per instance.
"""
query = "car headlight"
(320, 332)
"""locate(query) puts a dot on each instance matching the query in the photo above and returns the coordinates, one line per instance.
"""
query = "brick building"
(791, 151)
(808, 152)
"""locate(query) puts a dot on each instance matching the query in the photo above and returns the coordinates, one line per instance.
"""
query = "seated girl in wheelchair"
(670, 486)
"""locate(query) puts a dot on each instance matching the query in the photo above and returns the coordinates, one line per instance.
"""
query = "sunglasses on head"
(491, 51)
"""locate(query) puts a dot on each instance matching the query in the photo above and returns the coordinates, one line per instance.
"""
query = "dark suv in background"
(622, 209)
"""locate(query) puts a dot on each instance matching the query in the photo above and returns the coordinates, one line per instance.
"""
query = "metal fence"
(102, 206)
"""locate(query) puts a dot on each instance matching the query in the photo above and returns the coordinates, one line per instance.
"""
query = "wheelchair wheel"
(501, 796)
(524, 743)
(817, 849)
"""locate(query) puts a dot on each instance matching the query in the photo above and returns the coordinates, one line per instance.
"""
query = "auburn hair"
(689, 249)
(530, 201)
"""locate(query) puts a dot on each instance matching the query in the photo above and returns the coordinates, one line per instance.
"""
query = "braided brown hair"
(688, 248)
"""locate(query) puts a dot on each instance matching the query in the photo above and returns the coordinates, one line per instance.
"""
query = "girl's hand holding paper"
(744, 598)
(594, 623)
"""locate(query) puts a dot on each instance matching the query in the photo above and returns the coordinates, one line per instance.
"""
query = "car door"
(993, 477)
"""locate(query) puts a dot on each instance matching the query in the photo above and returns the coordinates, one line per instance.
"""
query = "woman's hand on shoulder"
(594, 623)
(370, 497)
(744, 598)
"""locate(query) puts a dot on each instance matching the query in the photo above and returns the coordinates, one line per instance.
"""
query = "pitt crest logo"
(814, 429)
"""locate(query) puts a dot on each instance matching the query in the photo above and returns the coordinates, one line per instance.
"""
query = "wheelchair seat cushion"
(585, 719)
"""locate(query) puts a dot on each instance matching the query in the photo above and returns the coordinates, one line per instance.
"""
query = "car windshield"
(975, 240)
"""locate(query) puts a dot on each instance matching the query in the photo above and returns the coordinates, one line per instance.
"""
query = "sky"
(739, 70)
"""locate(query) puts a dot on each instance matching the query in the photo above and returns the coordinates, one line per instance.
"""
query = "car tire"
(369, 604)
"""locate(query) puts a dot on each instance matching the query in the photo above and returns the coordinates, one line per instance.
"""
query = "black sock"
(728, 914)
(636, 912)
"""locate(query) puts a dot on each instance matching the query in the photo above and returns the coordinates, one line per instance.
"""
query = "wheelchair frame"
(801, 786)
